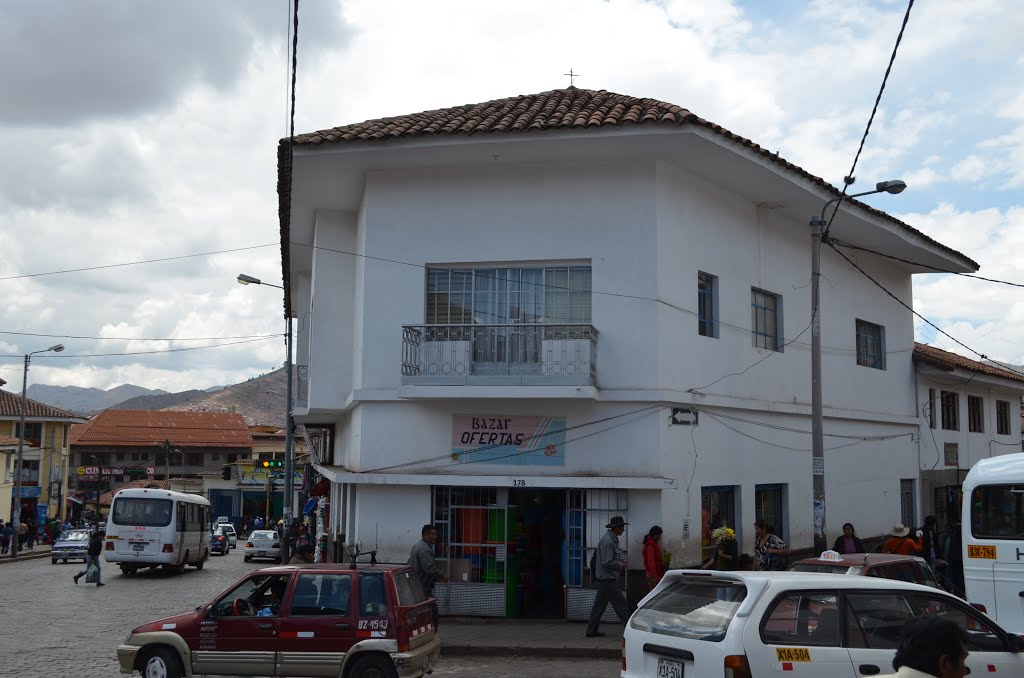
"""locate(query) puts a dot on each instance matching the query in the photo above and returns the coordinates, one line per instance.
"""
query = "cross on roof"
(572, 77)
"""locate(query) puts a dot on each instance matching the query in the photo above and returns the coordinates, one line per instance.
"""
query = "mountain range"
(260, 399)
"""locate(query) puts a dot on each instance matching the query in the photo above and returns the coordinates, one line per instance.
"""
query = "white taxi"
(697, 623)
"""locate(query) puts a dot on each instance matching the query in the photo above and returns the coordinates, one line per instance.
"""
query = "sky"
(135, 131)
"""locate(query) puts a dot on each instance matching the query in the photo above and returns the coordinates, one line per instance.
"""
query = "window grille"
(707, 321)
(907, 512)
(764, 319)
(870, 345)
(1003, 417)
(950, 408)
(975, 414)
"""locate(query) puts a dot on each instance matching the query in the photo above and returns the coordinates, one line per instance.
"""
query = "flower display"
(723, 533)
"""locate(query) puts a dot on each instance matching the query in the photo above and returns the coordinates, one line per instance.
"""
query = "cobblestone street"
(60, 629)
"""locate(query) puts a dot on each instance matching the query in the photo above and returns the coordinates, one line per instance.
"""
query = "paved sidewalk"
(469, 636)
(40, 551)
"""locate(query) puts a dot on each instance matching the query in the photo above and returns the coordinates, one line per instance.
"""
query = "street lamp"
(817, 423)
(16, 511)
(289, 462)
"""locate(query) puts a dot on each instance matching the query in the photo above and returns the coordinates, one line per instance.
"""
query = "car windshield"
(263, 535)
(76, 535)
(700, 609)
(142, 511)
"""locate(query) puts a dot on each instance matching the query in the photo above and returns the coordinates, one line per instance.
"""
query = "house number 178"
(518, 482)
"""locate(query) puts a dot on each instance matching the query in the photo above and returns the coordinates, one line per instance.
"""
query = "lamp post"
(16, 511)
(817, 424)
(289, 462)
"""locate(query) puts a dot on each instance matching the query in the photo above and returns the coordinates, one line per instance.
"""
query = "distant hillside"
(159, 402)
(86, 400)
(260, 400)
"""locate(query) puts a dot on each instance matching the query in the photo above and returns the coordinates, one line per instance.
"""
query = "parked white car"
(755, 624)
(263, 544)
(229, 529)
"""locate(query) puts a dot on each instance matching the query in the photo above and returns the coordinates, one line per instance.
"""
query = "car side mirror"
(1016, 643)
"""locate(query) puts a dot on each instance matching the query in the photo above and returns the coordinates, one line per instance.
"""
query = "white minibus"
(157, 528)
(993, 538)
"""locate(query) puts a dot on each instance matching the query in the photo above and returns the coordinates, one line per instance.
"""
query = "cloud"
(72, 62)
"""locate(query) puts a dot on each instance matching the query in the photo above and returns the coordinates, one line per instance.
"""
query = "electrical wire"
(915, 263)
(929, 322)
(790, 429)
(74, 336)
(849, 178)
(134, 263)
(167, 350)
(796, 449)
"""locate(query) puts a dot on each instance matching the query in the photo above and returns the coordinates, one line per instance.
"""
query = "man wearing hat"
(606, 570)
(900, 542)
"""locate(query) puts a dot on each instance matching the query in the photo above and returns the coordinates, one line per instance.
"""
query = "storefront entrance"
(519, 552)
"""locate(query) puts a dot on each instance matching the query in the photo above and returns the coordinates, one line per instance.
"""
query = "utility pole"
(289, 458)
(167, 462)
(819, 233)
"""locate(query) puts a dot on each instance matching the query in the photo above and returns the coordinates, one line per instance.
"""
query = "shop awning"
(341, 475)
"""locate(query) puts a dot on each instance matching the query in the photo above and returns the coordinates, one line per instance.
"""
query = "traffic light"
(273, 464)
(226, 473)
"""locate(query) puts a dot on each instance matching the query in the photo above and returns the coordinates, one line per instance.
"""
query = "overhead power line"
(851, 177)
(134, 263)
(168, 350)
(75, 336)
(917, 263)
(929, 322)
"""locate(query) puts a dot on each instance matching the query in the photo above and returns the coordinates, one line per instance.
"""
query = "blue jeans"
(89, 560)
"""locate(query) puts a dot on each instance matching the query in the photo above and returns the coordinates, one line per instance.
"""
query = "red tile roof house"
(118, 446)
(44, 455)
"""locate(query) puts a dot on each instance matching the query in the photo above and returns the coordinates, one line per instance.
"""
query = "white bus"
(993, 538)
(157, 528)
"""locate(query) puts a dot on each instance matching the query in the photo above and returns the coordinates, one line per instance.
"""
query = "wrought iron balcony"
(536, 354)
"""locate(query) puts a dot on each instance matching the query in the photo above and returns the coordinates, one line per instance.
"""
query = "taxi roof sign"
(830, 555)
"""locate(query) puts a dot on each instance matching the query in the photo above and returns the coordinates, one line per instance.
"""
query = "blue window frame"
(707, 304)
(870, 345)
(765, 318)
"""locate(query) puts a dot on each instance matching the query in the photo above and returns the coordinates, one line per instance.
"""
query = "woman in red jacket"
(654, 560)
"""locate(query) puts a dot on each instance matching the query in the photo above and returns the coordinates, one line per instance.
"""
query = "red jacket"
(654, 562)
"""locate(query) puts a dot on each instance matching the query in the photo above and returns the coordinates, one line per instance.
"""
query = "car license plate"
(139, 547)
(669, 669)
(261, 553)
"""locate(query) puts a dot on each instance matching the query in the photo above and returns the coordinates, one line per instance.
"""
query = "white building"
(970, 410)
(574, 268)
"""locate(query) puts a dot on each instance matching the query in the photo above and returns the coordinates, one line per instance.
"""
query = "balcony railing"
(538, 354)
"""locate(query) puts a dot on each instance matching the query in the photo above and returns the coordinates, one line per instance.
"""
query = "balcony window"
(870, 345)
(33, 433)
(975, 414)
(500, 322)
(766, 319)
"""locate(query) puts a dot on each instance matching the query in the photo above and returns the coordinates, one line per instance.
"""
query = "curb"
(35, 555)
(466, 650)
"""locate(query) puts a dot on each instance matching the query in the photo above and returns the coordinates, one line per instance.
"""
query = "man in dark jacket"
(608, 566)
(93, 556)
(421, 557)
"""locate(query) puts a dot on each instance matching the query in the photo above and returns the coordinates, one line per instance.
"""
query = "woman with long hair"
(848, 541)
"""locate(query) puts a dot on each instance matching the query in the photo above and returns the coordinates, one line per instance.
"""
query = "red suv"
(310, 620)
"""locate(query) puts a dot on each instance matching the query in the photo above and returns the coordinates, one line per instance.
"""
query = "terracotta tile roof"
(556, 110)
(140, 428)
(10, 406)
(8, 441)
(944, 360)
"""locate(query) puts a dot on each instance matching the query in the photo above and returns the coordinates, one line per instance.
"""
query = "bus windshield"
(996, 512)
(142, 511)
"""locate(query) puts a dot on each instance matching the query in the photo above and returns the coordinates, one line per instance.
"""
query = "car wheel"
(248, 559)
(66, 561)
(53, 561)
(162, 663)
(373, 666)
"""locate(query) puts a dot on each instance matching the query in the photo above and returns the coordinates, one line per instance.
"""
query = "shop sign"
(253, 474)
(513, 440)
(29, 492)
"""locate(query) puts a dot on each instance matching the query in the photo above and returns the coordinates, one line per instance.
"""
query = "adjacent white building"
(970, 410)
(519, 318)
